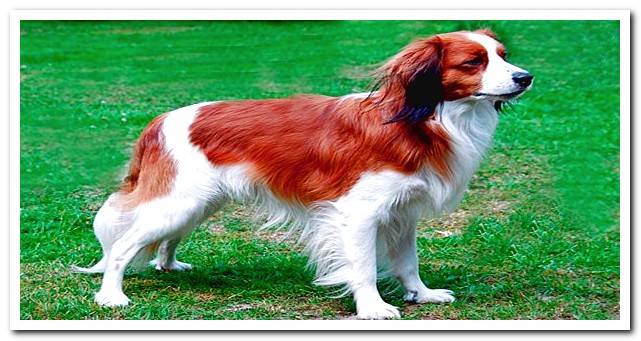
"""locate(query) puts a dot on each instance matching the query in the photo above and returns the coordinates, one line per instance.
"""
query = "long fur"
(350, 175)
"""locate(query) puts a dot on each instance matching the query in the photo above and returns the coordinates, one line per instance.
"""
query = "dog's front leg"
(360, 248)
(405, 267)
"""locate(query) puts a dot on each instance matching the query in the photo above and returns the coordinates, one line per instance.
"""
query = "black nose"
(523, 79)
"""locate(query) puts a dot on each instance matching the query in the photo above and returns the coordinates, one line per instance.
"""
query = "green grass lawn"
(536, 237)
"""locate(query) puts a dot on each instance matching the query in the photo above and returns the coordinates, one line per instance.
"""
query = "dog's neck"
(470, 125)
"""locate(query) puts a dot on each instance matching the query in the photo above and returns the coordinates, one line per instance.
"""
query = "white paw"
(377, 311)
(111, 298)
(173, 266)
(430, 295)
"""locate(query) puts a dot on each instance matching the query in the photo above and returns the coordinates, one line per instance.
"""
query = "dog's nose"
(523, 79)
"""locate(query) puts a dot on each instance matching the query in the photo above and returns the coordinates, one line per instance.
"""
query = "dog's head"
(447, 67)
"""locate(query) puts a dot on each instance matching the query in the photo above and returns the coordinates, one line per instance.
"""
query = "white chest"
(470, 126)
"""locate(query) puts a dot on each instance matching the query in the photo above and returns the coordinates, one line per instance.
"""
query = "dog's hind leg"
(122, 252)
(161, 219)
(166, 257)
(110, 224)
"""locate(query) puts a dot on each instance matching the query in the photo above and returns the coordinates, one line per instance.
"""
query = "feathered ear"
(411, 81)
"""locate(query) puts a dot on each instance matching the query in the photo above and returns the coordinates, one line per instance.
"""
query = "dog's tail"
(150, 140)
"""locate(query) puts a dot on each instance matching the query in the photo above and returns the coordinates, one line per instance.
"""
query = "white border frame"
(623, 16)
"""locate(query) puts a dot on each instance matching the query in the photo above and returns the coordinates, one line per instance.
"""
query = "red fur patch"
(314, 148)
(152, 171)
(461, 79)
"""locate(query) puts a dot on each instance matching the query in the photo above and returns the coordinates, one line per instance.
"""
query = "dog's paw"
(173, 266)
(111, 299)
(430, 296)
(377, 311)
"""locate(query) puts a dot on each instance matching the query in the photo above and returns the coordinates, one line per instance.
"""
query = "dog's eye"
(473, 62)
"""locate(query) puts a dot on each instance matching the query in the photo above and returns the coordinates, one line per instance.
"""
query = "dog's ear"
(413, 80)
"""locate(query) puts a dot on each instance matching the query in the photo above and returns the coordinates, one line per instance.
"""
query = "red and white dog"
(353, 173)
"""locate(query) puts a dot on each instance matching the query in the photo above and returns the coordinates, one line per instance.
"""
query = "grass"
(536, 236)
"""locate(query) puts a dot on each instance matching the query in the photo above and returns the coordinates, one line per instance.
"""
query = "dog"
(352, 174)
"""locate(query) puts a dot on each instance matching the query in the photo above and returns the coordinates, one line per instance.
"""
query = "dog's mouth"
(505, 96)
(500, 101)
